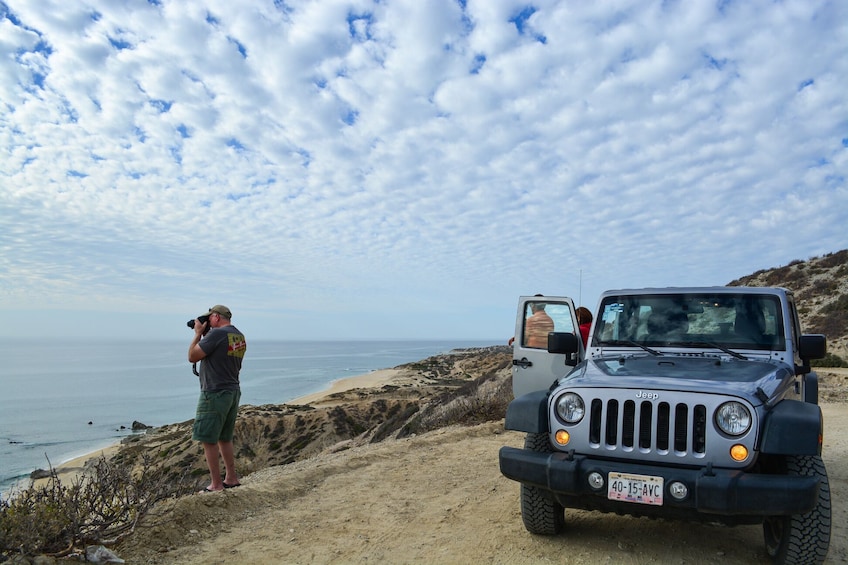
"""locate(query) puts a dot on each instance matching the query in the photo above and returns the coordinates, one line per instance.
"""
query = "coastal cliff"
(457, 387)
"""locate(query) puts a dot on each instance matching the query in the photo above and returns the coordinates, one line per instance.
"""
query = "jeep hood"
(680, 373)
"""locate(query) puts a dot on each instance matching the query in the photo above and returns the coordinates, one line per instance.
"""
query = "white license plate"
(642, 489)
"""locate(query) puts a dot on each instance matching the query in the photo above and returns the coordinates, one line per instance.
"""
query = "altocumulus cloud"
(400, 168)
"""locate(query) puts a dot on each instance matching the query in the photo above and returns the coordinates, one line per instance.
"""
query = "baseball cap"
(220, 309)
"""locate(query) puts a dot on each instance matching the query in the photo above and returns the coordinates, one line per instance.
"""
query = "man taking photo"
(220, 352)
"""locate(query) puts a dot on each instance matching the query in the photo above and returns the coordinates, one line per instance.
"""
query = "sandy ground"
(438, 498)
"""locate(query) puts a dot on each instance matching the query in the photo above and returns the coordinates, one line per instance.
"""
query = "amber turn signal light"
(739, 452)
(562, 437)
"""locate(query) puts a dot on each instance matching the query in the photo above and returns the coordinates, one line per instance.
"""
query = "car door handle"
(524, 363)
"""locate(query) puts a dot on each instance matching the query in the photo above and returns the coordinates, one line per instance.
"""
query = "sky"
(404, 169)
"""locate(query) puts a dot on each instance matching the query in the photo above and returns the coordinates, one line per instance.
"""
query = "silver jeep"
(685, 403)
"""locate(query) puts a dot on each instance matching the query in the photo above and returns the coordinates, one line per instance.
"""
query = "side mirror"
(566, 343)
(810, 346)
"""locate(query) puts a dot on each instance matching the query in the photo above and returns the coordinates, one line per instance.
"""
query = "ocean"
(61, 400)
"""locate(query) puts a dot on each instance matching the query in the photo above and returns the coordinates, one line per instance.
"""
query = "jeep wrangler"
(685, 403)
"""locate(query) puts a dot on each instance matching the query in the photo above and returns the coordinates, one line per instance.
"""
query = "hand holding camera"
(202, 320)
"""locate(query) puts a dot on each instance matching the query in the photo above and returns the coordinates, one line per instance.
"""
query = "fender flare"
(528, 413)
(811, 388)
(793, 427)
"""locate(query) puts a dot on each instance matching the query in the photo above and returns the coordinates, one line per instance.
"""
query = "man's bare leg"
(210, 450)
(226, 449)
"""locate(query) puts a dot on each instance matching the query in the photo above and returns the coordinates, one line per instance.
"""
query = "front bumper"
(715, 492)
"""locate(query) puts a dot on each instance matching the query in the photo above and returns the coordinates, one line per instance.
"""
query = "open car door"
(533, 367)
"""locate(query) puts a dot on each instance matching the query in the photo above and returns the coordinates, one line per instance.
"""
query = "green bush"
(829, 360)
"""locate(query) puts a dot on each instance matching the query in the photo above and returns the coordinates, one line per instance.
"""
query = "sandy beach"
(374, 379)
(69, 470)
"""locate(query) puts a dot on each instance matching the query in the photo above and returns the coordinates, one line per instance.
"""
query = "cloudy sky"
(405, 168)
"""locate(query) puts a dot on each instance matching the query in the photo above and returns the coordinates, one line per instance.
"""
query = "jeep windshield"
(722, 321)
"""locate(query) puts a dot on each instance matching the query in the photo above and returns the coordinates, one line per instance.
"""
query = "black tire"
(541, 514)
(802, 538)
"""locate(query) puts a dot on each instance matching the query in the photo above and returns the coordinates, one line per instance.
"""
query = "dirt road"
(438, 498)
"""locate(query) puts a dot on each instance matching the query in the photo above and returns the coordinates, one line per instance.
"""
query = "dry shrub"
(830, 360)
(101, 506)
(837, 259)
(482, 400)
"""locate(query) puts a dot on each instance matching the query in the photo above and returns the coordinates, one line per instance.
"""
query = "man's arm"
(195, 352)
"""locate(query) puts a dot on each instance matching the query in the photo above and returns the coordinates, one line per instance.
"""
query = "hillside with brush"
(820, 286)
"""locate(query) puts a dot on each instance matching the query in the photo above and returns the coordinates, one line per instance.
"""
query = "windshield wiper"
(717, 346)
(633, 343)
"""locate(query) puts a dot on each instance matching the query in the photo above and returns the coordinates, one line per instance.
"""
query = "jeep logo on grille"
(647, 395)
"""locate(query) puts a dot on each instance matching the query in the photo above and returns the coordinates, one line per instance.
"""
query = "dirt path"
(439, 498)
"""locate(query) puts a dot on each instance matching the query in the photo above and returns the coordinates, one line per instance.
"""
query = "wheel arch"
(793, 427)
(528, 413)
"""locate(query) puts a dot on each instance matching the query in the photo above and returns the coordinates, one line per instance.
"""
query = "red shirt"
(584, 333)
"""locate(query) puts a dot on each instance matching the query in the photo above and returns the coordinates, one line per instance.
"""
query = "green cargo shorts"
(216, 416)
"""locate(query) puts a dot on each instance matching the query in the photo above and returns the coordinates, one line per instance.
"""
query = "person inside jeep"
(670, 325)
(537, 327)
(749, 325)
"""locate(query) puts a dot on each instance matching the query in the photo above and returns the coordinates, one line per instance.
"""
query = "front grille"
(648, 427)
(645, 425)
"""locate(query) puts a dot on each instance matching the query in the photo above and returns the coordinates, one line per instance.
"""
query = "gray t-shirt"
(224, 348)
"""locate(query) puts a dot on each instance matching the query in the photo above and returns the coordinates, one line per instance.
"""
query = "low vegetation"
(482, 400)
(99, 507)
(829, 360)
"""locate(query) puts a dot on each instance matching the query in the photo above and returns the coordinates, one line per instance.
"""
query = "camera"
(202, 319)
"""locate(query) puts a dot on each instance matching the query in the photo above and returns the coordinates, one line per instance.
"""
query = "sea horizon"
(61, 401)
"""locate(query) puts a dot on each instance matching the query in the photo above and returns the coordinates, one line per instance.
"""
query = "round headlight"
(570, 408)
(733, 418)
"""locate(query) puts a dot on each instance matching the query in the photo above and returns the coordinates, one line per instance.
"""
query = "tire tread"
(805, 538)
(540, 513)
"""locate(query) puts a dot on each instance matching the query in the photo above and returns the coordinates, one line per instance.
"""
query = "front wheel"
(801, 538)
(541, 514)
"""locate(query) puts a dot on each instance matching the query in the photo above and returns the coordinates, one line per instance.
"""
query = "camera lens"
(190, 324)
